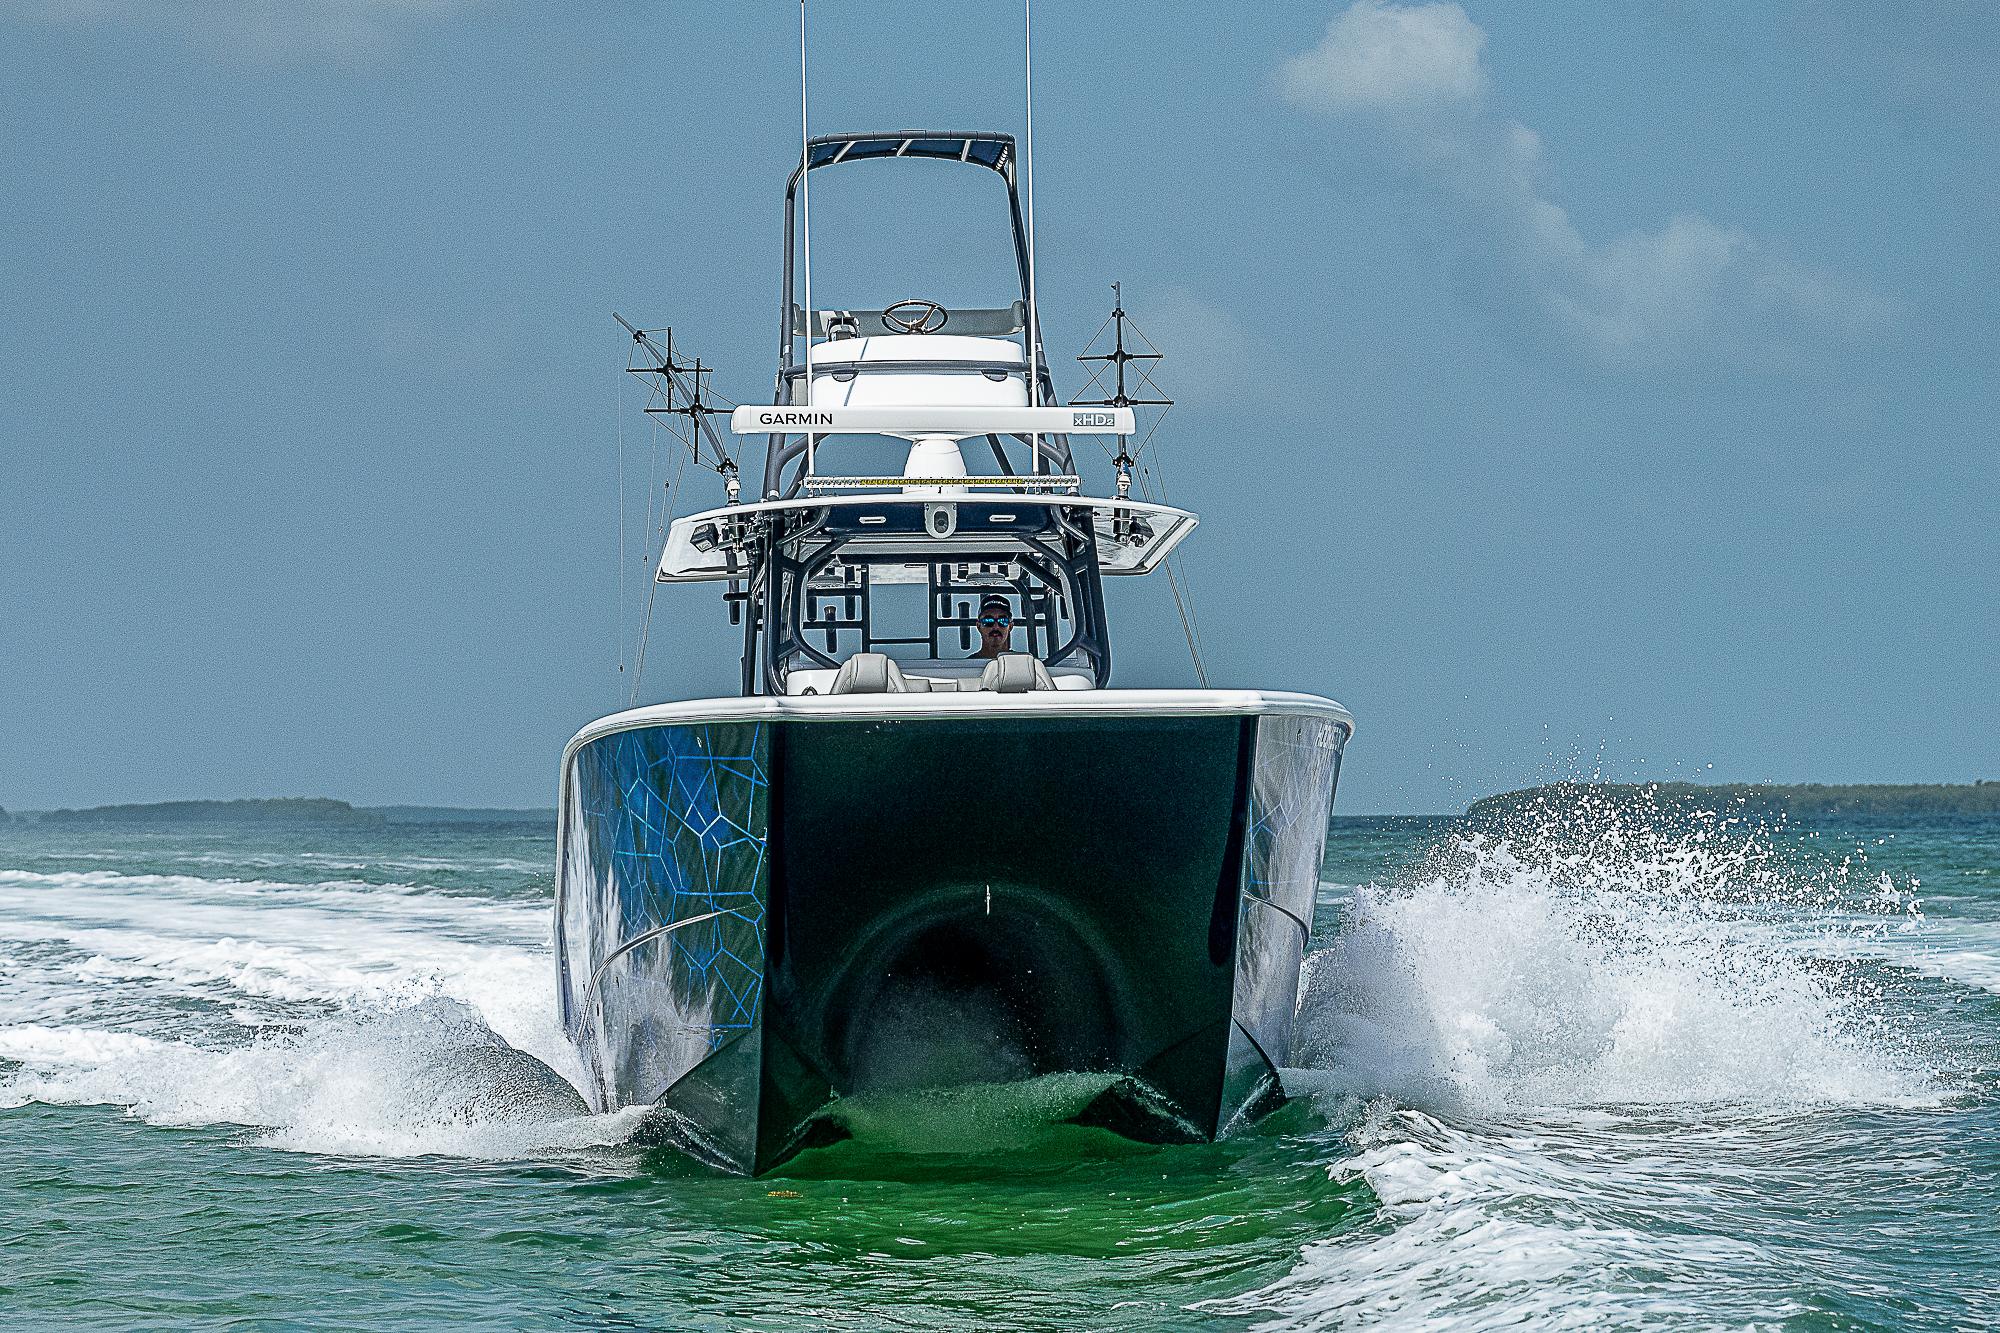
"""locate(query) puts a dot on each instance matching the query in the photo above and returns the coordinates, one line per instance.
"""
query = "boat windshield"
(928, 610)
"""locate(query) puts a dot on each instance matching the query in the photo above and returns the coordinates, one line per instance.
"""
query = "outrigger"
(887, 863)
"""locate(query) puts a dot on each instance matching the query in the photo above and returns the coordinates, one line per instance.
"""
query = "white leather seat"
(1016, 673)
(869, 673)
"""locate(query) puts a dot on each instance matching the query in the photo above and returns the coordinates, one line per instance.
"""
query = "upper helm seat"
(945, 350)
(919, 370)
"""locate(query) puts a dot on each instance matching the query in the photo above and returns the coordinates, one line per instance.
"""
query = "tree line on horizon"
(1804, 800)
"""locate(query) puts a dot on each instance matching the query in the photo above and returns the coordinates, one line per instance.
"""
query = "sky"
(1568, 390)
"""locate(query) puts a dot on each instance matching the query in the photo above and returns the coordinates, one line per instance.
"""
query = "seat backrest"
(1016, 673)
(869, 673)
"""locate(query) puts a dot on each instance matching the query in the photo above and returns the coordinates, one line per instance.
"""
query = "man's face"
(996, 626)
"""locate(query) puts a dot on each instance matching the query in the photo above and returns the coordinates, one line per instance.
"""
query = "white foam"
(1554, 1036)
(427, 1079)
(32, 1043)
(1507, 980)
(1493, 1232)
(192, 904)
(316, 944)
(1966, 952)
(1978, 967)
(381, 1016)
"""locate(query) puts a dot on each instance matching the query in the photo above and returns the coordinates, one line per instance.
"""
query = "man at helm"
(996, 625)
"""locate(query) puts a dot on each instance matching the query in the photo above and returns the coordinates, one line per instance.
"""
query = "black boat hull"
(756, 916)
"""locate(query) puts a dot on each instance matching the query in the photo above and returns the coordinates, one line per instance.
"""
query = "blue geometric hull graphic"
(663, 825)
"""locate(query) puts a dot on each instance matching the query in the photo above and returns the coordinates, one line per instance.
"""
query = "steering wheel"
(922, 316)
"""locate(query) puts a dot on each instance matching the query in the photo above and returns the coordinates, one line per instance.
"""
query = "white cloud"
(261, 31)
(1389, 56)
(1412, 76)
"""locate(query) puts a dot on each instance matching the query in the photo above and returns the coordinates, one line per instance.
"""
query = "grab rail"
(643, 937)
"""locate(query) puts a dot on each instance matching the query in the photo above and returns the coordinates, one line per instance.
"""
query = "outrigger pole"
(806, 211)
(1028, 171)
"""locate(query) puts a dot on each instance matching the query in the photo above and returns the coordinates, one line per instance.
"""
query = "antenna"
(1028, 170)
(674, 376)
(1119, 358)
(806, 213)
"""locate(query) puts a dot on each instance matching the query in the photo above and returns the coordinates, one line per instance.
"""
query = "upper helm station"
(834, 562)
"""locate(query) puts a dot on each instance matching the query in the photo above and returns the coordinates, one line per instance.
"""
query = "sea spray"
(1603, 957)
(368, 1019)
(1551, 1034)
(921, 1034)
(429, 1078)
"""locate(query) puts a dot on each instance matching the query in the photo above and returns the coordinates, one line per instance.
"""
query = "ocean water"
(1598, 1073)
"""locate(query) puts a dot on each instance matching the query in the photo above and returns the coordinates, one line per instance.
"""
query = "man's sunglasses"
(990, 621)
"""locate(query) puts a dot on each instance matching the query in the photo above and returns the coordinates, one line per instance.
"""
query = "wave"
(323, 943)
(1550, 1038)
(426, 1079)
(1625, 966)
(1485, 1230)
(224, 888)
(331, 1017)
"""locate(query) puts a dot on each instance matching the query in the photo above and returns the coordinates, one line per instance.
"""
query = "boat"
(928, 842)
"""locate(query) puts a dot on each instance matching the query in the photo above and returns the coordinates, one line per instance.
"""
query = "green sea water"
(1600, 1075)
